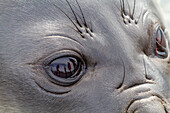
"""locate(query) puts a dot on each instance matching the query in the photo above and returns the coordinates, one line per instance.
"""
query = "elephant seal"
(83, 56)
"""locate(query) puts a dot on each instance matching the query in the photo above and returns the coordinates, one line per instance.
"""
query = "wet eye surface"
(65, 67)
(161, 50)
(65, 70)
(157, 47)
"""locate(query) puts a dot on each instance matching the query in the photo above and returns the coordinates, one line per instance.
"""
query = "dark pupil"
(161, 43)
(64, 67)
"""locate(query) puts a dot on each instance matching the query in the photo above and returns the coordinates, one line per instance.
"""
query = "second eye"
(161, 50)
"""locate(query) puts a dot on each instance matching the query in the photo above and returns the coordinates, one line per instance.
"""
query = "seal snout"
(147, 101)
(152, 104)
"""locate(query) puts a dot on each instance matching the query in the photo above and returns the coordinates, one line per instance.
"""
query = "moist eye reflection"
(161, 47)
(161, 38)
(64, 67)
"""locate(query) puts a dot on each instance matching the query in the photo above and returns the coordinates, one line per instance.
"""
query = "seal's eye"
(65, 70)
(161, 50)
(65, 67)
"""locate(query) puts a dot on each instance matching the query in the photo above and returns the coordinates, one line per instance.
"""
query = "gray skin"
(122, 73)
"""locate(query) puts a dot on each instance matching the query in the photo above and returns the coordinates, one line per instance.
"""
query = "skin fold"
(114, 41)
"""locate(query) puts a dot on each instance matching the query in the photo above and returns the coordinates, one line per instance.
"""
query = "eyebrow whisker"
(74, 14)
(123, 5)
(134, 9)
(139, 16)
(82, 14)
(80, 18)
(68, 17)
(129, 8)
(91, 27)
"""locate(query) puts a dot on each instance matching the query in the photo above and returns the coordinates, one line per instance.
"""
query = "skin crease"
(119, 76)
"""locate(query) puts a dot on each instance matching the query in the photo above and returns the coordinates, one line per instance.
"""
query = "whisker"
(77, 32)
(129, 8)
(82, 14)
(123, 5)
(133, 9)
(91, 27)
(74, 13)
(79, 17)
(68, 17)
(139, 16)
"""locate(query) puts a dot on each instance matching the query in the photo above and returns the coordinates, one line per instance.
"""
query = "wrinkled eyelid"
(60, 53)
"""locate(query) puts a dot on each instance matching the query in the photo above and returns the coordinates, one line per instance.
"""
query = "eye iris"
(64, 67)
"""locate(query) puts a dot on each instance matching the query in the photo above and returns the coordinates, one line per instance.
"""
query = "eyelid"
(61, 53)
(44, 61)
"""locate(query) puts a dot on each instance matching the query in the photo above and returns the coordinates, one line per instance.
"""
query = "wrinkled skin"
(120, 76)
